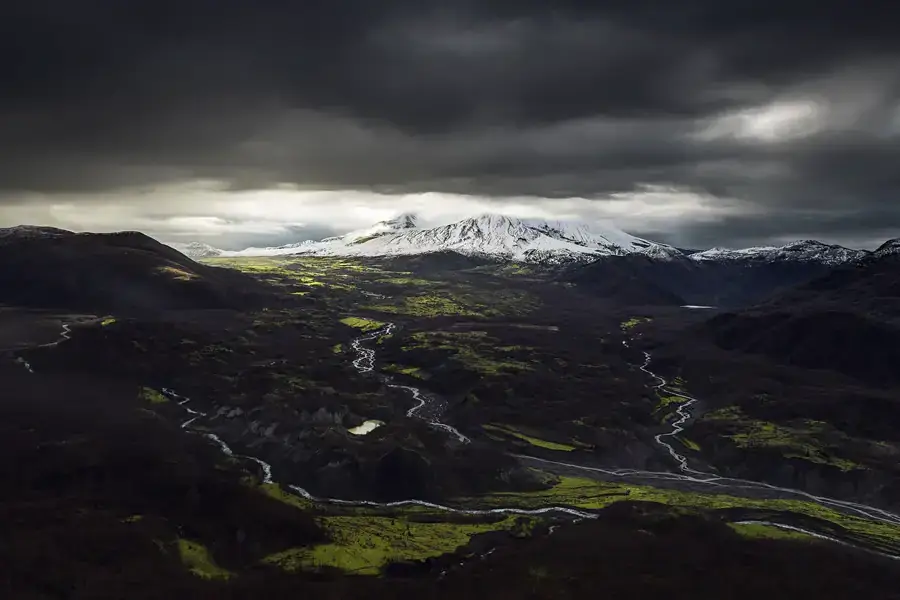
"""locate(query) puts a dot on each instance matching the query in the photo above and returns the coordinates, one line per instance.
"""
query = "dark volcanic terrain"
(125, 272)
(240, 429)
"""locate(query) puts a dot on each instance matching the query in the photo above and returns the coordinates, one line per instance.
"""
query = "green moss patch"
(199, 561)
(152, 396)
(404, 370)
(429, 306)
(589, 494)
(362, 324)
(689, 444)
(133, 519)
(462, 303)
(407, 281)
(800, 441)
(364, 545)
(178, 273)
(273, 490)
(763, 531)
(473, 349)
(634, 322)
(512, 432)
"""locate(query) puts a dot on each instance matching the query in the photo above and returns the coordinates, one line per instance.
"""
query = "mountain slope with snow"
(197, 250)
(492, 236)
(889, 248)
(805, 251)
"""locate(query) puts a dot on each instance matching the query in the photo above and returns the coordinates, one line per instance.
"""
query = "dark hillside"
(847, 321)
(674, 281)
(118, 273)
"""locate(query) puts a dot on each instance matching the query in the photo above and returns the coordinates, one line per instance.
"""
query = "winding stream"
(430, 409)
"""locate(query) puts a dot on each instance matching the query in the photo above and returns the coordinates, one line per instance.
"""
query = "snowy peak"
(889, 248)
(197, 250)
(403, 221)
(809, 251)
(494, 236)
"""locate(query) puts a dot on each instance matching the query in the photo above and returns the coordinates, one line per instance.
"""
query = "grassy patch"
(273, 490)
(176, 273)
(310, 272)
(689, 444)
(429, 306)
(510, 431)
(799, 441)
(362, 324)
(634, 322)
(400, 369)
(473, 349)
(462, 303)
(589, 494)
(762, 531)
(337, 348)
(364, 545)
(406, 281)
(198, 560)
(666, 401)
(152, 396)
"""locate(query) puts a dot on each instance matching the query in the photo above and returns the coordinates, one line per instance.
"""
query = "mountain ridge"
(549, 242)
(486, 235)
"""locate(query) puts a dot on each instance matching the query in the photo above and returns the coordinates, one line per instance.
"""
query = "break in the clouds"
(701, 123)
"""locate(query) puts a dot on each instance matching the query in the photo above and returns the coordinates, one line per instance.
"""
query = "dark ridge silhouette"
(433, 262)
(116, 272)
(673, 281)
(634, 280)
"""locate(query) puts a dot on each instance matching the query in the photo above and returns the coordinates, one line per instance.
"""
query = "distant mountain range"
(499, 237)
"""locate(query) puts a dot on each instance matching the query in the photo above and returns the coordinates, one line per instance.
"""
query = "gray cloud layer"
(492, 98)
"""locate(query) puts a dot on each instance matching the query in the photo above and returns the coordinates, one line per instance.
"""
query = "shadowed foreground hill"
(846, 321)
(633, 280)
(116, 272)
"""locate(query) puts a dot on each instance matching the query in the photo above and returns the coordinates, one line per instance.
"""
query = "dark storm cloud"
(507, 97)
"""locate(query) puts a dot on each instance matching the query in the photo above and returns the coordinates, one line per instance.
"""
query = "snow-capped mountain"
(493, 236)
(197, 250)
(804, 251)
(889, 248)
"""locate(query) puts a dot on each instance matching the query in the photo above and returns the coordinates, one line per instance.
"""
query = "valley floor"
(219, 453)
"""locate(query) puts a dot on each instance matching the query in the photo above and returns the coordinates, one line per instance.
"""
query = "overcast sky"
(238, 122)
